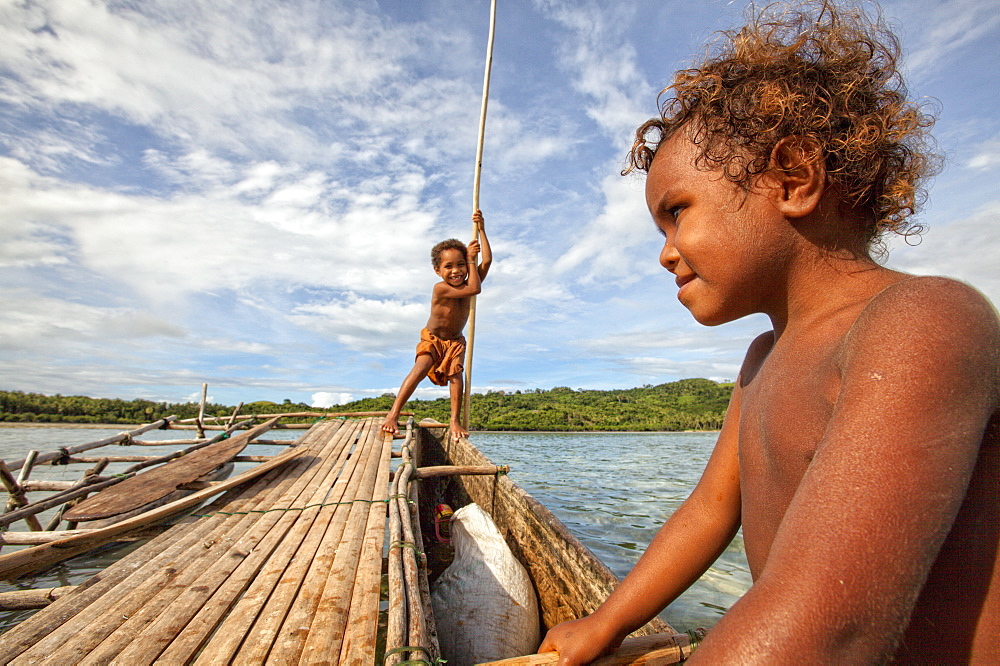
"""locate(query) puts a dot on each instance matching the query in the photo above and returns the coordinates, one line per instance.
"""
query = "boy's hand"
(579, 641)
(477, 219)
(472, 251)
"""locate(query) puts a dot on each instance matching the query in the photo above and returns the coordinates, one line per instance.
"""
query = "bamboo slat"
(315, 626)
(114, 439)
(73, 615)
(362, 621)
(268, 624)
(430, 638)
(18, 563)
(396, 622)
(215, 585)
(283, 567)
(137, 593)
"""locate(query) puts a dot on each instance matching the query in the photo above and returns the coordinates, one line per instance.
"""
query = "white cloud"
(362, 324)
(610, 245)
(245, 193)
(325, 399)
(966, 249)
(987, 157)
(944, 28)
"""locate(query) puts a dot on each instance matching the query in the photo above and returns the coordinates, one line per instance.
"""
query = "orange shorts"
(448, 356)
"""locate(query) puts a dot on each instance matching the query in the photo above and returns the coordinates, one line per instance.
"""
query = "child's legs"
(409, 385)
(456, 386)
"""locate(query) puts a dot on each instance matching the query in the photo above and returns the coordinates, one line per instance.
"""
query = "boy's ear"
(798, 174)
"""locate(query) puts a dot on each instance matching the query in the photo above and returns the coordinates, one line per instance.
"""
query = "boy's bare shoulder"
(936, 316)
(929, 301)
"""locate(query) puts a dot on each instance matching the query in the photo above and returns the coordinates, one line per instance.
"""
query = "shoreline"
(79, 426)
(130, 426)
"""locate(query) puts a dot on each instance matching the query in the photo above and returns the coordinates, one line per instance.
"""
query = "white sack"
(484, 604)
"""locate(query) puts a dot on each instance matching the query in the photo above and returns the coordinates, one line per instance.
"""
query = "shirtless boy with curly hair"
(861, 449)
(441, 351)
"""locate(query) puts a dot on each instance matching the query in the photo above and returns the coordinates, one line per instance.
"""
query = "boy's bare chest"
(448, 316)
(785, 409)
(787, 404)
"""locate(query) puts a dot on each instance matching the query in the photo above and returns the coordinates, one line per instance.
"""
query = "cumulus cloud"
(245, 193)
(325, 399)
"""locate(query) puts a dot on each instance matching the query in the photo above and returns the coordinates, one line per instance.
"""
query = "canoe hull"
(569, 579)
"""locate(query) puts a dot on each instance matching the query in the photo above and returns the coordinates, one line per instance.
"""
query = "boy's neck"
(825, 284)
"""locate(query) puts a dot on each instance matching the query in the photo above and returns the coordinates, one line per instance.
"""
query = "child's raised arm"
(487, 253)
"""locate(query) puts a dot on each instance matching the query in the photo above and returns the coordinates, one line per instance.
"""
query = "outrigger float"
(316, 555)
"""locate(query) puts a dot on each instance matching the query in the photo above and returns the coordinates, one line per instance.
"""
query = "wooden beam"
(32, 599)
(654, 649)
(452, 470)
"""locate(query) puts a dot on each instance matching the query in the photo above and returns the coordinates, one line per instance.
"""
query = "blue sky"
(245, 193)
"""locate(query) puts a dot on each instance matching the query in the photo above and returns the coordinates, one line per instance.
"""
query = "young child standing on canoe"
(861, 448)
(441, 351)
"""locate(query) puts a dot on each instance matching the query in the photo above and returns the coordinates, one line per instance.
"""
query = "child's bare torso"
(791, 403)
(448, 317)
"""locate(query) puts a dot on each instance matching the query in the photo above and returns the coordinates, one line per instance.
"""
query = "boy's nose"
(669, 256)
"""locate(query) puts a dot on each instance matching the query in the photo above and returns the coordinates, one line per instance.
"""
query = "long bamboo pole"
(475, 206)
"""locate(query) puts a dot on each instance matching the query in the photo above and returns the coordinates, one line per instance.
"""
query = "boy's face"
(453, 268)
(722, 243)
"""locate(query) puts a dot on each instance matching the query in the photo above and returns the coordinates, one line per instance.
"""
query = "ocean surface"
(613, 490)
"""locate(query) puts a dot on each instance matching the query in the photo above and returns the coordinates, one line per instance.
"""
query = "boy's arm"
(855, 547)
(683, 549)
(484, 242)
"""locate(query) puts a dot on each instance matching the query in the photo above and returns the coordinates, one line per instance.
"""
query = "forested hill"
(689, 404)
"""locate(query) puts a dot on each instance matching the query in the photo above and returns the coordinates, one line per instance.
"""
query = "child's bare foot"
(391, 425)
(457, 431)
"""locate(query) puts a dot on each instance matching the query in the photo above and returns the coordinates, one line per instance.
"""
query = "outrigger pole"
(475, 207)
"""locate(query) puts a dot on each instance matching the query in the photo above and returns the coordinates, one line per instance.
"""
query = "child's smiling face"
(721, 243)
(453, 268)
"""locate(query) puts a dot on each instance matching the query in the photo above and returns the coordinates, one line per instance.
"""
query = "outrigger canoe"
(286, 565)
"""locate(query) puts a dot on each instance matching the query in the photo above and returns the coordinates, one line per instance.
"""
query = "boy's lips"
(682, 280)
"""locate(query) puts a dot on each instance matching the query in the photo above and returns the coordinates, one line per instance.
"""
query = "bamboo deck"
(283, 569)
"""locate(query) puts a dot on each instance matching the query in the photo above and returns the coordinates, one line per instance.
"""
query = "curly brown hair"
(450, 244)
(818, 71)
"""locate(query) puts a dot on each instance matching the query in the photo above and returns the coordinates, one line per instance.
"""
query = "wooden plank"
(651, 650)
(159, 482)
(362, 621)
(246, 590)
(117, 617)
(336, 560)
(149, 630)
(24, 561)
(41, 631)
(217, 474)
(267, 600)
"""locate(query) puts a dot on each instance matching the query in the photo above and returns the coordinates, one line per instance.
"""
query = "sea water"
(612, 490)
